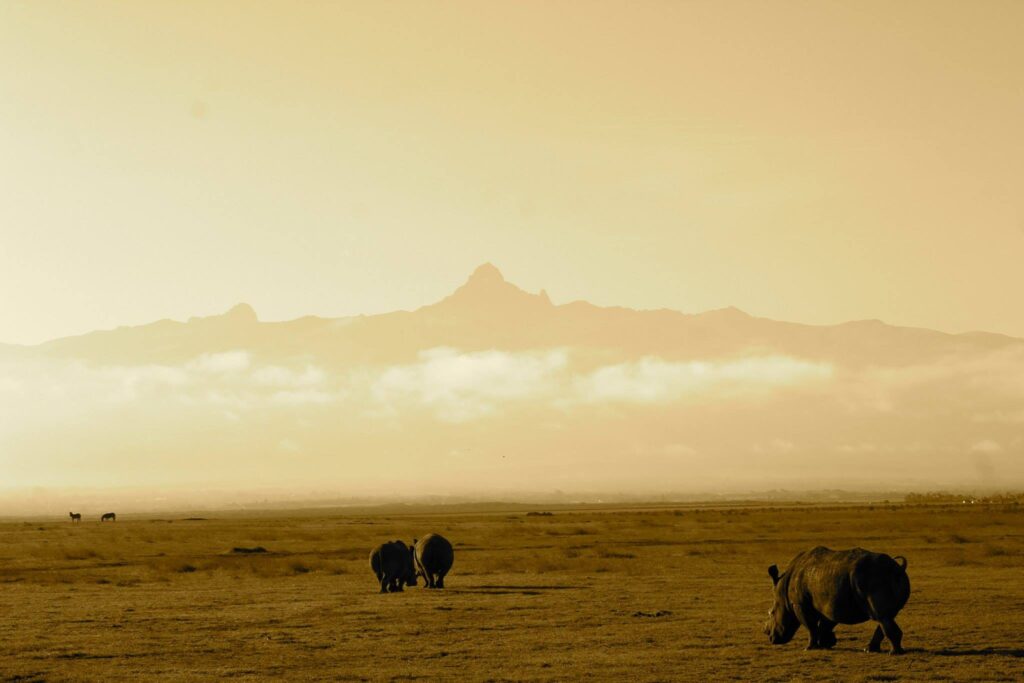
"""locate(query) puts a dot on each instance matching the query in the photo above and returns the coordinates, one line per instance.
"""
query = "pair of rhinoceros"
(397, 564)
(822, 588)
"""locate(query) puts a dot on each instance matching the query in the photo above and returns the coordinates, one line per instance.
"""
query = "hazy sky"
(810, 161)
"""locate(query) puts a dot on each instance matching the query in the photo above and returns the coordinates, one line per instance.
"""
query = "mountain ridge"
(488, 312)
(488, 273)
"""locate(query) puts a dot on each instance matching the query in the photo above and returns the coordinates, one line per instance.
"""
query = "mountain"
(487, 312)
(497, 389)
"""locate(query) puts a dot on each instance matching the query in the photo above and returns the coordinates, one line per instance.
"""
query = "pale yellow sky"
(808, 161)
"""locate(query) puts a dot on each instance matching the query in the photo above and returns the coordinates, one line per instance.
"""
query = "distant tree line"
(932, 497)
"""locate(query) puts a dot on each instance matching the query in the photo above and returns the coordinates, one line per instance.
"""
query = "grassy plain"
(668, 594)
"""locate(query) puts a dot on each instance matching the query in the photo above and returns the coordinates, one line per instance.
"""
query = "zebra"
(110, 515)
(75, 516)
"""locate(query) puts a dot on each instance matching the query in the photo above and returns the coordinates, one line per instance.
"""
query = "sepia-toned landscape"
(511, 340)
(649, 594)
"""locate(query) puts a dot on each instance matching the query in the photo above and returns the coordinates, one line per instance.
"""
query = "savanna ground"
(613, 594)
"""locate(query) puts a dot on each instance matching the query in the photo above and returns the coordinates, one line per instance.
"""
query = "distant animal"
(434, 557)
(822, 588)
(75, 516)
(109, 515)
(392, 563)
(249, 551)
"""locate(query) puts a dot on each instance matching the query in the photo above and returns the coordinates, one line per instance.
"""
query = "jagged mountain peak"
(485, 274)
(487, 289)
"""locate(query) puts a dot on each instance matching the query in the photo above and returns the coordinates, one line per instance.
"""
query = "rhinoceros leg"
(826, 636)
(895, 635)
(439, 582)
(876, 640)
(808, 618)
(819, 628)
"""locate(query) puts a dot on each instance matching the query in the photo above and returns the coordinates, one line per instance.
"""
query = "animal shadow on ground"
(979, 652)
(492, 589)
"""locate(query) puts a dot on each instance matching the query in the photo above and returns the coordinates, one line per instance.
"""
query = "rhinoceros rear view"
(434, 558)
(392, 563)
(822, 588)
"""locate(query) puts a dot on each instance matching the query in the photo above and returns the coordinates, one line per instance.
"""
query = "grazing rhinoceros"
(434, 558)
(392, 562)
(822, 588)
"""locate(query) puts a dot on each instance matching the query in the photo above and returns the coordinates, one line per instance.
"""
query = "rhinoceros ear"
(773, 571)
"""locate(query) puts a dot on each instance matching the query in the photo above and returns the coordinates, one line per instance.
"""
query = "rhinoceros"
(392, 563)
(434, 558)
(822, 588)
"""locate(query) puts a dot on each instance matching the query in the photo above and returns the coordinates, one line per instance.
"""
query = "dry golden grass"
(607, 594)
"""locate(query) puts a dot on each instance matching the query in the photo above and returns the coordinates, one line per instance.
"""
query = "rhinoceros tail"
(901, 561)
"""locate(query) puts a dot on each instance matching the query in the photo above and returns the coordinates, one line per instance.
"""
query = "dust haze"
(497, 392)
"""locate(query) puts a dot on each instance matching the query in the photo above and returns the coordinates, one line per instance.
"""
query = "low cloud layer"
(452, 385)
(652, 380)
(461, 386)
(647, 421)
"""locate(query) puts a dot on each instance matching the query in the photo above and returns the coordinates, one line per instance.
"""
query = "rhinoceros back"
(434, 554)
(391, 556)
(849, 586)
